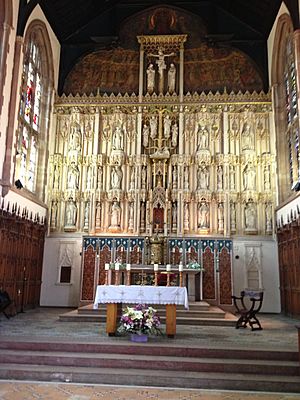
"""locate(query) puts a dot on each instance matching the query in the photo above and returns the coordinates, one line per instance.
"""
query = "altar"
(115, 295)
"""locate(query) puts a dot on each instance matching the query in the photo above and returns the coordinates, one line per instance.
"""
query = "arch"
(6, 21)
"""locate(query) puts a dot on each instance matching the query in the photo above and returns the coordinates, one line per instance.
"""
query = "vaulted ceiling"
(83, 26)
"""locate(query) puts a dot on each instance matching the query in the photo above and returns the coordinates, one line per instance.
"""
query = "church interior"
(158, 137)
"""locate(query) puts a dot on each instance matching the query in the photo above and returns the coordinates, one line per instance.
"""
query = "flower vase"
(139, 338)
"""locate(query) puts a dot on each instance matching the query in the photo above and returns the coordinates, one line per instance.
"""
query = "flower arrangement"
(195, 265)
(141, 320)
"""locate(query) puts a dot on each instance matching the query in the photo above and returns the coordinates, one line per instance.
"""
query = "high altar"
(163, 174)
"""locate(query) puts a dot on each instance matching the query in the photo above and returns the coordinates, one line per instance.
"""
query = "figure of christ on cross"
(161, 65)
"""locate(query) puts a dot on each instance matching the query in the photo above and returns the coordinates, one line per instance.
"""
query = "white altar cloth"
(138, 294)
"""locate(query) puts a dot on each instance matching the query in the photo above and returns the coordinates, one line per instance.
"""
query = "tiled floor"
(279, 333)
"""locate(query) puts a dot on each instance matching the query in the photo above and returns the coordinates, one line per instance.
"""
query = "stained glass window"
(291, 100)
(30, 116)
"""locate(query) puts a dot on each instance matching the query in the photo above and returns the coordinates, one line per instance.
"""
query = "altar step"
(199, 313)
(151, 364)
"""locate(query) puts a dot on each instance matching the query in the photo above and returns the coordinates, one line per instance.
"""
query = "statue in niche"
(231, 177)
(167, 126)
(174, 216)
(115, 215)
(71, 213)
(202, 136)
(53, 214)
(75, 138)
(269, 217)
(144, 177)
(250, 216)
(116, 177)
(202, 178)
(118, 138)
(153, 127)
(99, 177)
(86, 215)
(267, 178)
(247, 137)
(174, 135)
(186, 219)
(143, 211)
(132, 179)
(56, 178)
(89, 178)
(174, 177)
(220, 217)
(130, 217)
(232, 217)
(249, 177)
(145, 135)
(73, 176)
(186, 178)
(150, 79)
(203, 215)
(98, 215)
(171, 78)
(220, 178)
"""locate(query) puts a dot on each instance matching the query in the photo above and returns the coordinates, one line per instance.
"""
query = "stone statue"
(118, 138)
(174, 177)
(56, 178)
(98, 215)
(267, 178)
(203, 215)
(250, 216)
(73, 176)
(144, 177)
(75, 138)
(153, 127)
(130, 217)
(247, 137)
(232, 217)
(171, 78)
(89, 178)
(145, 135)
(249, 177)
(231, 177)
(174, 135)
(220, 178)
(99, 177)
(86, 215)
(186, 178)
(71, 213)
(161, 60)
(116, 177)
(167, 126)
(220, 217)
(150, 79)
(202, 136)
(115, 215)
(143, 212)
(202, 178)
(53, 214)
(268, 217)
(186, 220)
(132, 178)
(174, 215)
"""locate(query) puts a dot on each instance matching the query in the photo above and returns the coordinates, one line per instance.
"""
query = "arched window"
(292, 127)
(34, 108)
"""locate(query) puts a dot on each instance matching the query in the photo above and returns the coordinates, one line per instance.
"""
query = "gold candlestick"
(168, 278)
(155, 278)
(128, 278)
(117, 277)
(180, 279)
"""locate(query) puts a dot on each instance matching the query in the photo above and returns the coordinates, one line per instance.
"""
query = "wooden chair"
(248, 314)
(5, 301)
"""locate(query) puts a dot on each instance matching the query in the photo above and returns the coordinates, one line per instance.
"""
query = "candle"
(180, 267)
(155, 267)
(106, 266)
(117, 266)
(128, 267)
(168, 267)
